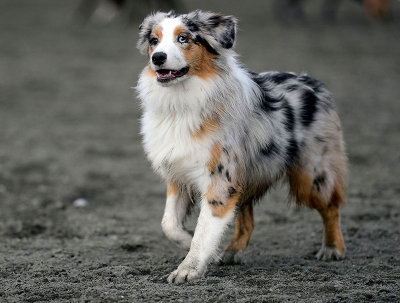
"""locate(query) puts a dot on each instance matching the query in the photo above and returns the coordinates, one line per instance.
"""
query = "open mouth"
(166, 75)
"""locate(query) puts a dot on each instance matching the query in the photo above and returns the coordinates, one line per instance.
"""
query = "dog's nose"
(159, 58)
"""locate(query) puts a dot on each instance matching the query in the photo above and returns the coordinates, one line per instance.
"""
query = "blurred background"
(80, 207)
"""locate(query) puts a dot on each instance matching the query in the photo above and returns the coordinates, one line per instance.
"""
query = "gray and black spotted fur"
(291, 126)
(272, 123)
(269, 126)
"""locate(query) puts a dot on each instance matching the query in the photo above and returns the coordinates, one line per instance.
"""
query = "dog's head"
(182, 46)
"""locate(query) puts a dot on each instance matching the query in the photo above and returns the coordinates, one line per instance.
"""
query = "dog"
(222, 136)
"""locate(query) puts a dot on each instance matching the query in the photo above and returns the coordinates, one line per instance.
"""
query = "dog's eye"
(183, 39)
(153, 41)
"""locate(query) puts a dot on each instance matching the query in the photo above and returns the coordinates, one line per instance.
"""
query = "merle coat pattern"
(224, 135)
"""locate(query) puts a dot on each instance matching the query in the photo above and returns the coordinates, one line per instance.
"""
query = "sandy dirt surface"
(69, 128)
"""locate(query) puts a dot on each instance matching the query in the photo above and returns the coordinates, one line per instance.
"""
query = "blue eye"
(183, 39)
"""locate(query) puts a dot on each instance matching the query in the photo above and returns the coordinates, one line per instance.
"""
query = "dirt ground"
(69, 128)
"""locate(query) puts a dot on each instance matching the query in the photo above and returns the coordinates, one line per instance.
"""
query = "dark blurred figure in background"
(378, 9)
(105, 11)
(293, 9)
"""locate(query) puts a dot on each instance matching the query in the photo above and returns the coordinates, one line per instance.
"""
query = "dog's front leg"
(176, 208)
(212, 221)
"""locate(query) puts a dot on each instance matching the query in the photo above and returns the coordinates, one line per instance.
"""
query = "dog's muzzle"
(167, 75)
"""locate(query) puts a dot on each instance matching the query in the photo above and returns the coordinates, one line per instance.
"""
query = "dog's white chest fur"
(170, 146)
(171, 117)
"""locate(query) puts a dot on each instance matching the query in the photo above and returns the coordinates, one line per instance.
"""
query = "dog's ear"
(217, 30)
(145, 30)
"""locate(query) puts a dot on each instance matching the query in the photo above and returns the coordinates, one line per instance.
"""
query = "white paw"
(184, 273)
(327, 253)
(231, 257)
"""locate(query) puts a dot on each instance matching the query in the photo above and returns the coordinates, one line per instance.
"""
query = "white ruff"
(171, 116)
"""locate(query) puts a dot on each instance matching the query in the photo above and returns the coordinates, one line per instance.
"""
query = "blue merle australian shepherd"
(222, 136)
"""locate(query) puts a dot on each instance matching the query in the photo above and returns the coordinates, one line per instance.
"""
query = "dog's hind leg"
(244, 226)
(333, 244)
(316, 192)
(318, 180)
(176, 208)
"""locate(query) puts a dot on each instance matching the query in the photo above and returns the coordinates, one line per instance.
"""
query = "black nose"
(159, 58)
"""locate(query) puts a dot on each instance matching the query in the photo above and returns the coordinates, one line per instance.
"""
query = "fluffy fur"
(222, 135)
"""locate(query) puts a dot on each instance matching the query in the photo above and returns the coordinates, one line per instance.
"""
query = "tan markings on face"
(215, 155)
(178, 30)
(172, 188)
(199, 60)
(156, 33)
(150, 72)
